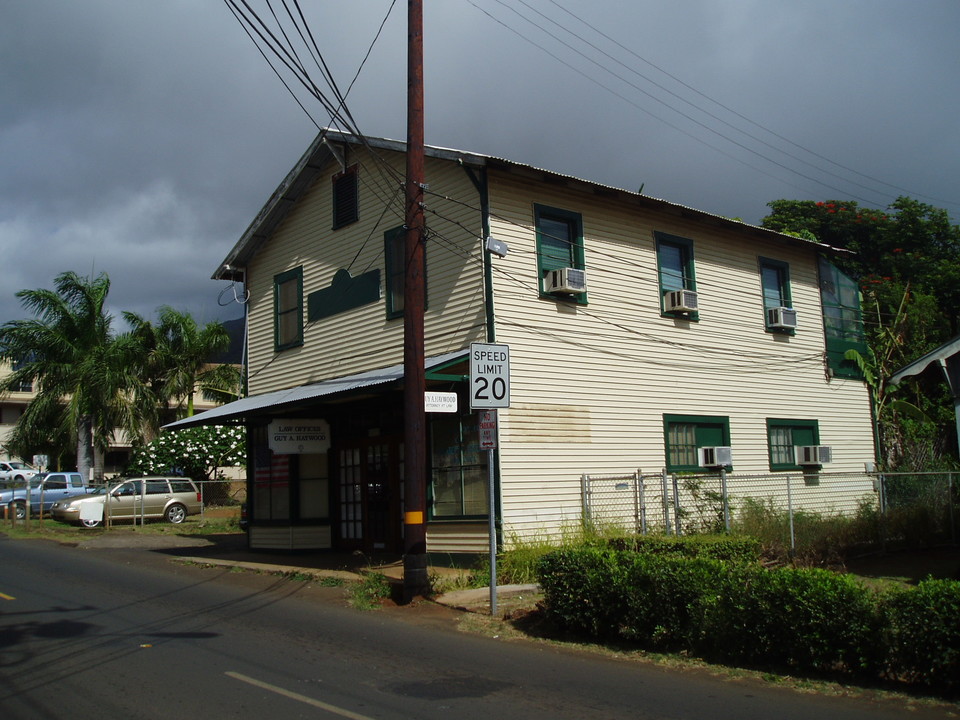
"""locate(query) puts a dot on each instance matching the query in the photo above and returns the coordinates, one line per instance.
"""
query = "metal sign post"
(489, 390)
(488, 442)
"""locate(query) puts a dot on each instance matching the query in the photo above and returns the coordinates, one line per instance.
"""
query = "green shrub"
(663, 597)
(922, 633)
(801, 618)
(580, 590)
(731, 548)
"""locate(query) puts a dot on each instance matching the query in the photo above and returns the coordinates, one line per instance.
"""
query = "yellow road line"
(7, 597)
(297, 696)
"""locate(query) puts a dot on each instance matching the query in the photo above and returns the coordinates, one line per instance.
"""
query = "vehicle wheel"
(91, 523)
(18, 478)
(175, 514)
(19, 510)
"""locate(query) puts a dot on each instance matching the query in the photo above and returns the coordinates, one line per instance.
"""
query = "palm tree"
(68, 349)
(179, 355)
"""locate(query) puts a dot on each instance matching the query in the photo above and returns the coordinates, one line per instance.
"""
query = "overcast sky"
(140, 138)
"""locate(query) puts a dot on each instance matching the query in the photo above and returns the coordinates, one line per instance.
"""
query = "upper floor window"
(346, 201)
(23, 385)
(288, 309)
(783, 437)
(394, 251)
(842, 319)
(675, 273)
(775, 283)
(559, 243)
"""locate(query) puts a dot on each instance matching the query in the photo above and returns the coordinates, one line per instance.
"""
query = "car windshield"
(20, 466)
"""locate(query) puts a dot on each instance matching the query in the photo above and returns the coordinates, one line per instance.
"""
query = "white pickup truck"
(13, 471)
(45, 490)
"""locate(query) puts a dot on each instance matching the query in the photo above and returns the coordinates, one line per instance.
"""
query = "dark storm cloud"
(140, 138)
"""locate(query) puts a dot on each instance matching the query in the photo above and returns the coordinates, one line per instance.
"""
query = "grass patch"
(370, 592)
(56, 530)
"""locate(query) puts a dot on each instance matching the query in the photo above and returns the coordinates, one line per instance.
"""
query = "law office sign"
(299, 436)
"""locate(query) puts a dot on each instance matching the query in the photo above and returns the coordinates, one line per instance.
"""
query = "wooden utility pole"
(415, 579)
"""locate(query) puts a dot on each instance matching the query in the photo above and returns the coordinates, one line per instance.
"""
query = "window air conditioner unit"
(813, 454)
(680, 301)
(782, 317)
(715, 456)
(565, 280)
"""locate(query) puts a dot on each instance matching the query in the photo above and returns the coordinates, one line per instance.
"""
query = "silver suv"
(170, 498)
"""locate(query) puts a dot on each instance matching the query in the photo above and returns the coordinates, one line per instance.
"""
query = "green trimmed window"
(288, 309)
(784, 435)
(842, 319)
(674, 269)
(559, 243)
(346, 197)
(394, 251)
(775, 283)
(684, 435)
(458, 485)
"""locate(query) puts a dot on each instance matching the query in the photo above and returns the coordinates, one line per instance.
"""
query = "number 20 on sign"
(489, 376)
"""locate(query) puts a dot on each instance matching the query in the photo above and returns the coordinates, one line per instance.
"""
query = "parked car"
(45, 490)
(15, 471)
(170, 498)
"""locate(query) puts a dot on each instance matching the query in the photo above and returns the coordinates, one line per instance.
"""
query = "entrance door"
(369, 482)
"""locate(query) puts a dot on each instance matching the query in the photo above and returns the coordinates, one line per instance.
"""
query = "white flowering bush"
(193, 452)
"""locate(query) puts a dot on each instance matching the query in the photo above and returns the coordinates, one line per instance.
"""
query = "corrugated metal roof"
(943, 353)
(282, 399)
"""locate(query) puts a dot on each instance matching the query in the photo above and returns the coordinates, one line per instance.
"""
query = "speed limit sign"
(489, 376)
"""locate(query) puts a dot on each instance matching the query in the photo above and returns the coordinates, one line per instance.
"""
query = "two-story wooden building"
(639, 330)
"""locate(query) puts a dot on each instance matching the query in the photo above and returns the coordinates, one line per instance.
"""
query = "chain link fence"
(889, 510)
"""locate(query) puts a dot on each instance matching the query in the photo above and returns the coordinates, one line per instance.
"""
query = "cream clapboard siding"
(590, 384)
(363, 338)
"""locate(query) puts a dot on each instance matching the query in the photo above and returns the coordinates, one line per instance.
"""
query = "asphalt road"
(128, 633)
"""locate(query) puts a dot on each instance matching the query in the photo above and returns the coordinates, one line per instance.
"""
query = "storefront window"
(459, 468)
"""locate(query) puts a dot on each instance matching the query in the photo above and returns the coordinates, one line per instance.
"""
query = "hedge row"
(797, 619)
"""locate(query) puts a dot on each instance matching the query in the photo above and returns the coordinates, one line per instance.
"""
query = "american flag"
(270, 467)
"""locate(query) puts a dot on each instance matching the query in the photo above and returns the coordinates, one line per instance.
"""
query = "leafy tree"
(177, 355)
(83, 373)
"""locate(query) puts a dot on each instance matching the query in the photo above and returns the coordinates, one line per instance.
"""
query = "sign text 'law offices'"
(299, 436)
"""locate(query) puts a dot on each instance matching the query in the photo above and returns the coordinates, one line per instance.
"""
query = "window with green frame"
(685, 434)
(674, 267)
(394, 251)
(842, 319)
(288, 309)
(775, 283)
(458, 487)
(559, 243)
(783, 436)
(346, 197)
